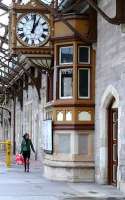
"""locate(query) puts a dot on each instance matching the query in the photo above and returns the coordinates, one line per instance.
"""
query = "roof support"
(32, 80)
(120, 12)
(4, 7)
(4, 108)
(4, 80)
(71, 7)
(7, 74)
(16, 72)
(56, 13)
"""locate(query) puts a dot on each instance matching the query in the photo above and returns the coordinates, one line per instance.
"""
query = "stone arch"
(108, 95)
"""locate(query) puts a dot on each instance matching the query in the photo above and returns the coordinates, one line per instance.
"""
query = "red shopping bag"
(19, 159)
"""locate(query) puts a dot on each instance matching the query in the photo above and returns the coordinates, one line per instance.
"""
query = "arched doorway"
(109, 100)
(112, 142)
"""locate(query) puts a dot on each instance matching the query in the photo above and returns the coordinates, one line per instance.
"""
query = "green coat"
(27, 146)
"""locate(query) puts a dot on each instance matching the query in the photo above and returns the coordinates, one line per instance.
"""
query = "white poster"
(47, 136)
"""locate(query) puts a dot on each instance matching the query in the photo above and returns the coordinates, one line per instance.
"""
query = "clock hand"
(33, 28)
(35, 25)
(37, 22)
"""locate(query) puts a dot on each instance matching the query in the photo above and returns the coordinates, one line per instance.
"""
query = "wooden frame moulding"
(89, 83)
(57, 47)
(75, 111)
(58, 66)
(90, 66)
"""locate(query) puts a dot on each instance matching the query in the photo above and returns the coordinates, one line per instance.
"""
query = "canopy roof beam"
(120, 12)
(4, 7)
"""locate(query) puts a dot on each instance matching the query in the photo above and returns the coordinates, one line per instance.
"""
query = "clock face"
(33, 29)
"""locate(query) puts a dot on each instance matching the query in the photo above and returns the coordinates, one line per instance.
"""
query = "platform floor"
(15, 184)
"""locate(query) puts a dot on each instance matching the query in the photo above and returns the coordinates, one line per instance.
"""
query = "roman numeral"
(20, 29)
(33, 16)
(43, 36)
(32, 42)
(44, 23)
(26, 18)
(45, 29)
(22, 23)
(26, 40)
(22, 35)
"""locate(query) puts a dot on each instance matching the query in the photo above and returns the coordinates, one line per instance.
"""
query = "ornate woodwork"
(73, 114)
(18, 10)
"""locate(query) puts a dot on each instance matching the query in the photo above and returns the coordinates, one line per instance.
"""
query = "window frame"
(68, 97)
(88, 47)
(70, 63)
(89, 83)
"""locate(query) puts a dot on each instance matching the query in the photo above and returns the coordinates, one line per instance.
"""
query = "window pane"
(66, 82)
(66, 55)
(84, 83)
(84, 55)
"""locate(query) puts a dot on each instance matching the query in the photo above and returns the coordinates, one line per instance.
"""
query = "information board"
(47, 136)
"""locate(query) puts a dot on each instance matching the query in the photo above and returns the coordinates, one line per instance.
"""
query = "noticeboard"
(47, 136)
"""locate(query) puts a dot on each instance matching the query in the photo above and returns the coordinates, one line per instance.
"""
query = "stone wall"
(110, 81)
(29, 117)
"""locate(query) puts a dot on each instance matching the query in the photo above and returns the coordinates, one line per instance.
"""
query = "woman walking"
(26, 147)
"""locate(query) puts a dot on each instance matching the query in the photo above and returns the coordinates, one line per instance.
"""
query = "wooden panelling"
(81, 25)
(73, 127)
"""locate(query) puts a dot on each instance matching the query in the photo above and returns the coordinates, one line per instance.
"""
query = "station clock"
(33, 29)
(30, 28)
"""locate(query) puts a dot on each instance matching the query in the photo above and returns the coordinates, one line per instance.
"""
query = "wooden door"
(113, 146)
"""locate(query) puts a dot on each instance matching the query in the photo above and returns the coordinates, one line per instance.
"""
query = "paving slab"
(94, 198)
(15, 184)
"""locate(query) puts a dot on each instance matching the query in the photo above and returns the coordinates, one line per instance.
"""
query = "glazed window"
(84, 83)
(83, 55)
(66, 55)
(66, 78)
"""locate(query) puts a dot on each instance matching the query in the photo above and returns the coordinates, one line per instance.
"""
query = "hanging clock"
(33, 29)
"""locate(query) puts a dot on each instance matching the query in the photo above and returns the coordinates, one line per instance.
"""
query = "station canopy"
(8, 66)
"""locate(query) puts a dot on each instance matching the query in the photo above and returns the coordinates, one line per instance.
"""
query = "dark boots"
(26, 166)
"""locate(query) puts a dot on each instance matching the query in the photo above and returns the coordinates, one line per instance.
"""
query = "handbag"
(19, 159)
